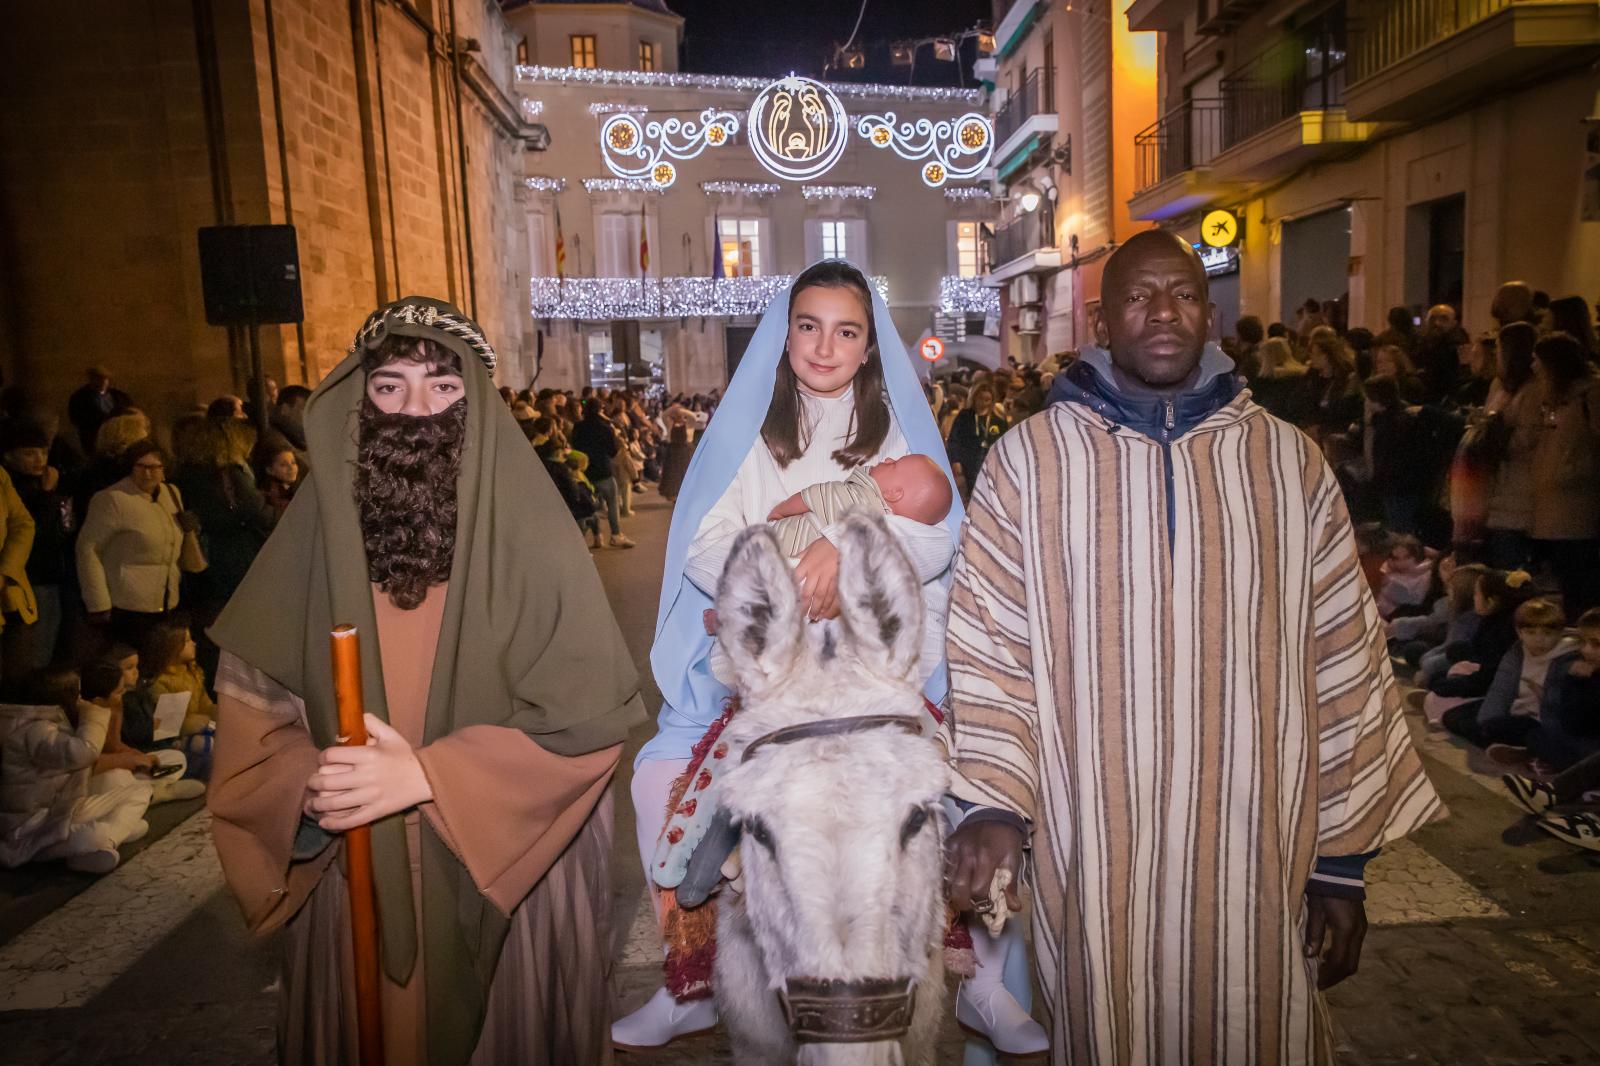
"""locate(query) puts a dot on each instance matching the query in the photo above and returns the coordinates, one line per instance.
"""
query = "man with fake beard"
(498, 692)
(1167, 670)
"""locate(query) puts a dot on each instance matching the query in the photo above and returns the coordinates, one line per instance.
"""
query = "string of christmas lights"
(838, 192)
(594, 185)
(958, 295)
(679, 80)
(542, 184)
(740, 188)
(967, 192)
(600, 299)
(532, 109)
(615, 109)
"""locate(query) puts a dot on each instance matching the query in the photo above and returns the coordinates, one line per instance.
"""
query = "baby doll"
(912, 486)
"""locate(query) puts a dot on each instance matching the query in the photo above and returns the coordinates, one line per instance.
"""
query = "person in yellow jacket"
(16, 542)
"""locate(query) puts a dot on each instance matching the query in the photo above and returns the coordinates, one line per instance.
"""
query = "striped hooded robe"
(1164, 656)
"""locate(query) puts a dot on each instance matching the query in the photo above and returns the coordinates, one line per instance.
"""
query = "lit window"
(522, 52)
(647, 55)
(834, 245)
(741, 247)
(583, 50)
(969, 250)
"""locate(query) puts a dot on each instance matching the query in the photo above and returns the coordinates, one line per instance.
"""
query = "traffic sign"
(932, 349)
(1220, 228)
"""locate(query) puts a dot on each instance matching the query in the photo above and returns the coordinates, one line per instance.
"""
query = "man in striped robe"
(1168, 673)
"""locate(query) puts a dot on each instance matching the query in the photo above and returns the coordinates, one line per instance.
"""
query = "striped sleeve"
(1371, 784)
(994, 710)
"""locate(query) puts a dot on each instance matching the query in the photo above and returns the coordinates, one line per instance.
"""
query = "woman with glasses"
(129, 545)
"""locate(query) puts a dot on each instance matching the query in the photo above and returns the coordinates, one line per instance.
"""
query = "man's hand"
(817, 577)
(789, 508)
(972, 855)
(1335, 928)
(357, 786)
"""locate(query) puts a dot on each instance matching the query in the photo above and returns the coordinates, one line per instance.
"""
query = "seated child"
(61, 796)
(167, 666)
(1509, 711)
(104, 685)
(1567, 728)
(1420, 640)
(1408, 578)
(913, 486)
(1495, 600)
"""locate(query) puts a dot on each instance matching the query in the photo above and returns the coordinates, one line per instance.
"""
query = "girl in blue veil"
(825, 386)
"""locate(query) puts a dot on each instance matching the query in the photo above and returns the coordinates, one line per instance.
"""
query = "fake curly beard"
(406, 470)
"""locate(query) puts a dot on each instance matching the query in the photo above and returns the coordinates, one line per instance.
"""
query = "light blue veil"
(680, 657)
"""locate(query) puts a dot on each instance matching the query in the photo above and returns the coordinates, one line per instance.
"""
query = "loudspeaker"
(250, 275)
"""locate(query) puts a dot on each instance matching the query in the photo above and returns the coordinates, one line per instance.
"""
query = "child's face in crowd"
(187, 654)
(130, 672)
(1539, 639)
(1402, 556)
(1589, 646)
(1481, 603)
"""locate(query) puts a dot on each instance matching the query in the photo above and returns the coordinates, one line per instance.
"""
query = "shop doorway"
(1436, 242)
(1315, 261)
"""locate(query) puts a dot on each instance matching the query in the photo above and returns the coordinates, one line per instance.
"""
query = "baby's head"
(1406, 551)
(914, 487)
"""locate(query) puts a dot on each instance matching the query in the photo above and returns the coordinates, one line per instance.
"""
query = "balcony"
(1172, 161)
(1218, 18)
(1023, 246)
(1023, 124)
(1412, 59)
(1281, 109)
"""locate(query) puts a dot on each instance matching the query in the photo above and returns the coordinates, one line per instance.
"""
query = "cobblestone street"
(1484, 947)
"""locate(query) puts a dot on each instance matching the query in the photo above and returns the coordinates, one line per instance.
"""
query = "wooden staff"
(345, 645)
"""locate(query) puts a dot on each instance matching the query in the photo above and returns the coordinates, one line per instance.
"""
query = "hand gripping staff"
(345, 646)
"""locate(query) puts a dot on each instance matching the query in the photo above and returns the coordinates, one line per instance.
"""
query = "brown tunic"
(542, 858)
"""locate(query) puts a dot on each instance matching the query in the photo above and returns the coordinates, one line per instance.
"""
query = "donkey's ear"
(880, 598)
(760, 623)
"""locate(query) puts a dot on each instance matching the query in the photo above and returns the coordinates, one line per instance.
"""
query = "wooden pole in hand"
(345, 645)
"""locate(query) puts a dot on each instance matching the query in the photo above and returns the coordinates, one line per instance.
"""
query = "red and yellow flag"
(561, 248)
(644, 244)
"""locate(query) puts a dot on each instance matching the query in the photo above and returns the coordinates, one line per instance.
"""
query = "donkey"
(831, 954)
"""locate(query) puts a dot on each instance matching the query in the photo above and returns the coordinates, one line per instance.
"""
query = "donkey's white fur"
(842, 835)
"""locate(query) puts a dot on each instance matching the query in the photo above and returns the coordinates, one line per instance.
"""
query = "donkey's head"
(838, 804)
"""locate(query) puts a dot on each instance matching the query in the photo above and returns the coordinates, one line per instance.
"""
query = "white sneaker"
(620, 540)
(661, 1021)
(996, 1015)
(172, 791)
(96, 862)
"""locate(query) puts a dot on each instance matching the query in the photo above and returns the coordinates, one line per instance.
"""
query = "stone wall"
(108, 165)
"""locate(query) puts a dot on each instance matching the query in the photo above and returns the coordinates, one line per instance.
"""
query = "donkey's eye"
(760, 834)
(914, 823)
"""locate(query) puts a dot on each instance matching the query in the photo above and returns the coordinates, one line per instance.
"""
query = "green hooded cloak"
(527, 641)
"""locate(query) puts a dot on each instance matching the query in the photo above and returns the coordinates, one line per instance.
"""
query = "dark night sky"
(773, 37)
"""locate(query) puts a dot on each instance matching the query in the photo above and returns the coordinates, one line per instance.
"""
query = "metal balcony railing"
(1022, 105)
(1300, 73)
(1184, 138)
(1393, 30)
(1016, 239)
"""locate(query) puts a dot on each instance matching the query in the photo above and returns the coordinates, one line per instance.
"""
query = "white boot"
(985, 1006)
(662, 1020)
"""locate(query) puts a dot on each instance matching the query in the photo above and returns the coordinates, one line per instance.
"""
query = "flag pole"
(345, 646)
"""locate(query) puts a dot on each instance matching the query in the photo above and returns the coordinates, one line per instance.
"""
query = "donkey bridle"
(833, 727)
(824, 1011)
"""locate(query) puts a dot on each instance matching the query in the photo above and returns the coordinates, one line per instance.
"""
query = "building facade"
(387, 133)
(664, 285)
(1071, 84)
(1377, 153)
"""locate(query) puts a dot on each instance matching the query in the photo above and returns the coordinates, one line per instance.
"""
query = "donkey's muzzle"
(824, 1011)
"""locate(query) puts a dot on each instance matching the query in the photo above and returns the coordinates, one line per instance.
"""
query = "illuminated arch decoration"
(639, 147)
(798, 128)
(957, 148)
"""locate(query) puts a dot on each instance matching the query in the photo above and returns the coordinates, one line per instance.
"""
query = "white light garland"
(967, 192)
(594, 185)
(635, 148)
(539, 183)
(954, 148)
(678, 80)
(740, 188)
(599, 299)
(798, 128)
(617, 109)
(532, 109)
(838, 192)
(958, 295)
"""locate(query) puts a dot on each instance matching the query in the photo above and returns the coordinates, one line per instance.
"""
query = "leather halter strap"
(833, 727)
(866, 1011)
